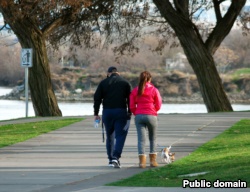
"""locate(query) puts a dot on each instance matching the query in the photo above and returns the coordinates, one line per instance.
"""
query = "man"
(113, 92)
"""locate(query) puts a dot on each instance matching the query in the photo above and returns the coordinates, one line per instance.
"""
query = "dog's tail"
(164, 147)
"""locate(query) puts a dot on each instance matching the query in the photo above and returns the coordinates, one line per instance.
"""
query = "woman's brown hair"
(145, 76)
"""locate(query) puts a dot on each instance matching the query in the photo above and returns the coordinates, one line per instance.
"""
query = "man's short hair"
(112, 69)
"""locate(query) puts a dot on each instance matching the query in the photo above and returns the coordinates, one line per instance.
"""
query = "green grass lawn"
(14, 133)
(226, 158)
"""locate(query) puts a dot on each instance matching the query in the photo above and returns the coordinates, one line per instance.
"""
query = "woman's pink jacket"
(149, 103)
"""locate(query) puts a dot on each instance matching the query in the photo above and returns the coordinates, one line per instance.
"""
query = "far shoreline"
(170, 100)
(196, 98)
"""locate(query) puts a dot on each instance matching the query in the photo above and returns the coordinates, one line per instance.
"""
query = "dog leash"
(199, 129)
(103, 136)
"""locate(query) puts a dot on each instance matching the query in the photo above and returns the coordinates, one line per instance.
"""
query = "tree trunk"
(209, 80)
(42, 94)
(197, 54)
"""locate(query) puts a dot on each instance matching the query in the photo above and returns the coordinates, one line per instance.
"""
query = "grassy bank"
(14, 133)
(225, 158)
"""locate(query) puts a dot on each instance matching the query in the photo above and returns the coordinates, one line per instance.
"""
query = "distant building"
(178, 62)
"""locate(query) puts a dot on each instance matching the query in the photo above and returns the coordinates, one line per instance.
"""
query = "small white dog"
(166, 156)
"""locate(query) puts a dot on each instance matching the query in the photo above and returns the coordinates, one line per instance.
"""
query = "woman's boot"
(142, 159)
(153, 162)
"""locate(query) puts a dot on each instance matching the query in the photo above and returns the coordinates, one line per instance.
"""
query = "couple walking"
(119, 103)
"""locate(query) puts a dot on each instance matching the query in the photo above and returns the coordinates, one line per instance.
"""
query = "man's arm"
(128, 98)
(98, 96)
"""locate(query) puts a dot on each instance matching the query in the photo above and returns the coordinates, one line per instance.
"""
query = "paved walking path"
(73, 158)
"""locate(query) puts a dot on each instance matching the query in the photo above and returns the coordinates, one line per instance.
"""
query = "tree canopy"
(198, 38)
(38, 22)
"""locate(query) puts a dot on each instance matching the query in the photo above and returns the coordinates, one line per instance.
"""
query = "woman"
(145, 101)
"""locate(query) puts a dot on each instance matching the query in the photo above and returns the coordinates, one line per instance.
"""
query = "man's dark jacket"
(113, 92)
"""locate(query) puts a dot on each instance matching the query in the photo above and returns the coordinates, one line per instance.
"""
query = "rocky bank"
(175, 87)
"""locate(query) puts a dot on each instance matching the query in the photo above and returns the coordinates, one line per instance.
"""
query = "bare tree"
(37, 22)
(199, 40)
(200, 53)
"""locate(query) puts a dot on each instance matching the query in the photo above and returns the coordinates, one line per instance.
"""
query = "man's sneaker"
(110, 164)
(116, 163)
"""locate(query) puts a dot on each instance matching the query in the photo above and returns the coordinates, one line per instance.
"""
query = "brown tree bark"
(199, 53)
(35, 22)
(42, 94)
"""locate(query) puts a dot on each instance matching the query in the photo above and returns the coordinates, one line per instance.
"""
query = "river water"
(10, 109)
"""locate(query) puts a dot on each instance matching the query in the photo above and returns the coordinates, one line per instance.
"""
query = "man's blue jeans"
(144, 123)
(115, 121)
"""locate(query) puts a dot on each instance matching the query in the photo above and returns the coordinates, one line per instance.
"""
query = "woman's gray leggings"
(144, 122)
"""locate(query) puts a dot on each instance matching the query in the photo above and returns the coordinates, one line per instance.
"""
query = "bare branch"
(217, 9)
(223, 27)
(182, 7)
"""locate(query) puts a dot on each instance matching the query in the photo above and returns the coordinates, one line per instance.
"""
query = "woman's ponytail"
(145, 76)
